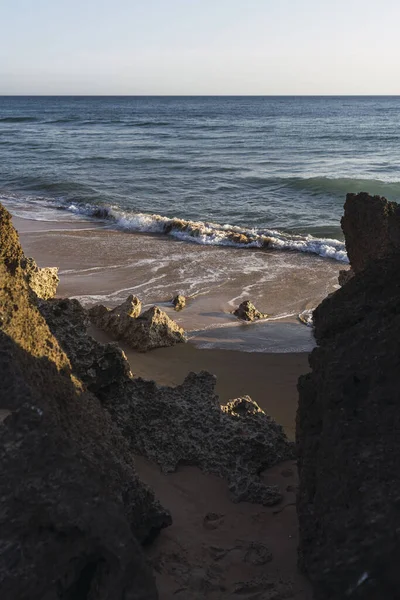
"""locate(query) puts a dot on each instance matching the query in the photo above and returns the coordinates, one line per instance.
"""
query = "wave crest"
(214, 234)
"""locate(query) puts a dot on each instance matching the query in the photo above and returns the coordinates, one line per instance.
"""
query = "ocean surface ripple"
(261, 172)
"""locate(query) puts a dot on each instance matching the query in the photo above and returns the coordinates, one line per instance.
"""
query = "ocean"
(264, 175)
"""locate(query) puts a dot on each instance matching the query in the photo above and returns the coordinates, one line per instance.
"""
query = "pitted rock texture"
(173, 426)
(371, 225)
(348, 443)
(72, 510)
(143, 332)
(98, 365)
(179, 302)
(43, 281)
(186, 425)
(248, 312)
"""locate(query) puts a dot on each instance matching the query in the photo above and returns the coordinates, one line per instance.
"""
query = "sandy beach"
(214, 546)
(270, 378)
(99, 264)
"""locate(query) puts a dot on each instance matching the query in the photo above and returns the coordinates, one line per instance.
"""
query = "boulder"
(348, 419)
(371, 225)
(248, 312)
(73, 513)
(179, 302)
(151, 329)
(43, 281)
(117, 320)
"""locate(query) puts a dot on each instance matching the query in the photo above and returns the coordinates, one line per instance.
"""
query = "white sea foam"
(214, 234)
(306, 317)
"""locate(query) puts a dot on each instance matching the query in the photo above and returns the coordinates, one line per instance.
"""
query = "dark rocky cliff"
(348, 420)
(72, 510)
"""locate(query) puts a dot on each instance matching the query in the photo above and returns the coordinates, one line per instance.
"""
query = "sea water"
(265, 178)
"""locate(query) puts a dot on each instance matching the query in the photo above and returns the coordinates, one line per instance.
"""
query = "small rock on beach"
(248, 312)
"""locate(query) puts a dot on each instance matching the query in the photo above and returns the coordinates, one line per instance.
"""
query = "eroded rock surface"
(143, 332)
(43, 281)
(179, 302)
(72, 510)
(98, 365)
(187, 425)
(348, 419)
(371, 225)
(173, 426)
(248, 312)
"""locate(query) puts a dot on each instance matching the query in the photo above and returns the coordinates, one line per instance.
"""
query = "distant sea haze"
(246, 171)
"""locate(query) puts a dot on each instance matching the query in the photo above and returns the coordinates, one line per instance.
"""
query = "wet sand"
(98, 264)
(240, 550)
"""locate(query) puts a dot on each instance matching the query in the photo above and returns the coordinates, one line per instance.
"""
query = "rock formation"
(72, 510)
(98, 365)
(174, 426)
(348, 419)
(143, 332)
(186, 425)
(43, 281)
(371, 226)
(179, 302)
(248, 312)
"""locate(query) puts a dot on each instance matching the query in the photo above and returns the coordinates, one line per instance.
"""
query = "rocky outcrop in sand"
(348, 419)
(43, 281)
(143, 332)
(72, 510)
(179, 302)
(175, 426)
(371, 225)
(248, 312)
(186, 425)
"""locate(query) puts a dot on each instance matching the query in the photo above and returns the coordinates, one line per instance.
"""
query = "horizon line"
(200, 95)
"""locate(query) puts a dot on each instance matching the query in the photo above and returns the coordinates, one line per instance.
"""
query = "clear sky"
(200, 47)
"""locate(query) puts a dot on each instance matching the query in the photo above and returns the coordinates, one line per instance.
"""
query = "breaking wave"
(214, 234)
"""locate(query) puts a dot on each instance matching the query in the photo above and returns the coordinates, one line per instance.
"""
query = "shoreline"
(227, 351)
(268, 377)
(101, 265)
(214, 547)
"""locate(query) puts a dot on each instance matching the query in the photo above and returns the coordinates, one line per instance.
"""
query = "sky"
(200, 47)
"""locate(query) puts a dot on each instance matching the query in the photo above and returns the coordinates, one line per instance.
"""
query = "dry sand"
(215, 549)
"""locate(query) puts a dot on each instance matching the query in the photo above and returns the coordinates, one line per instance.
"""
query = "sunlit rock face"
(141, 331)
(246, 311)
(43, 281)
(179, 302)
(348, 419)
